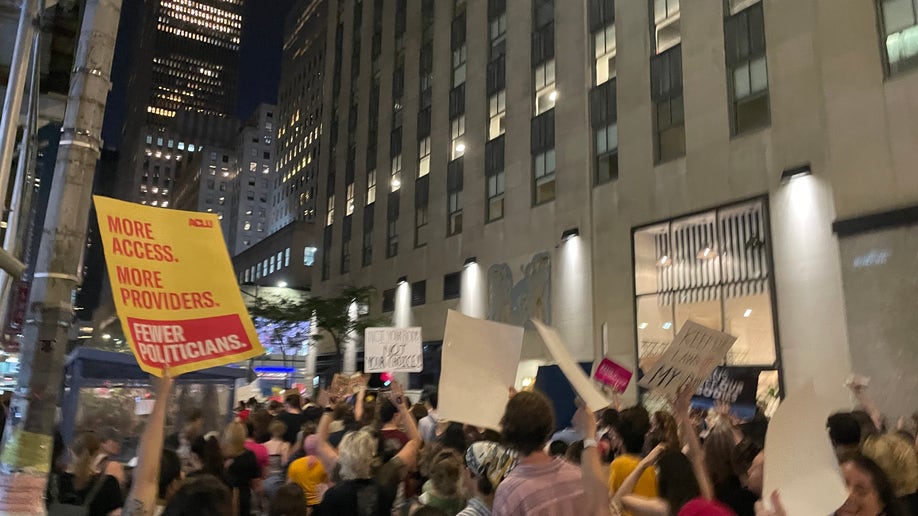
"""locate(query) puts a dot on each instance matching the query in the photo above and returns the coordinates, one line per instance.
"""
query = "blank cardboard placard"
(691, 358)
(584, 387)
(477, 368)
(799, 460)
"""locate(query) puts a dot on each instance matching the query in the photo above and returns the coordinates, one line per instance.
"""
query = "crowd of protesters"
(376, 453)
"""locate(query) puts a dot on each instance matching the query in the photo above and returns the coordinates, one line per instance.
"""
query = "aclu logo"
(201, 223)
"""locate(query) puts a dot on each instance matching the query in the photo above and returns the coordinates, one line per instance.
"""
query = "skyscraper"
(300, 101)
(181, 91)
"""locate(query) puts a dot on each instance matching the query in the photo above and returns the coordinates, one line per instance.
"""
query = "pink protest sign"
(613, 375)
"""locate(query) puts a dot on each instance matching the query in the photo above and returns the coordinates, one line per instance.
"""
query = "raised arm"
(681, 413)
(594, 485)
(326, 452)
(858, 386)
(141, 500)
(358, 405)
(409, 453)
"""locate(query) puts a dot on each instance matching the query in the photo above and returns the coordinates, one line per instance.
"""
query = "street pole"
(27, 441)
(12, 242)
(12, 104)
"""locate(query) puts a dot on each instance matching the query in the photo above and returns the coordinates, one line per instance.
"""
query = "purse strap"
(97, 486)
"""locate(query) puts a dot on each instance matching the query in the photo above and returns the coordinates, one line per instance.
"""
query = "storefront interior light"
(706, 253)
(748, 312)
(664, 261)
(795, 172)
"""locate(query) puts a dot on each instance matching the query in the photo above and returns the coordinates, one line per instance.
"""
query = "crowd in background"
(376, 453)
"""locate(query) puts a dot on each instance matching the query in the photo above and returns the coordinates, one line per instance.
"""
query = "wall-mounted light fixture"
(793, 173)
(403, 279)
(471, 260)
(570, 233)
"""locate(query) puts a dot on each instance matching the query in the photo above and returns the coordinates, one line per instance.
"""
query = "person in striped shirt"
(539, 485)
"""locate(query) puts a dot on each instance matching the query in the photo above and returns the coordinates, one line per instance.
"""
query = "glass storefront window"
(711, 268)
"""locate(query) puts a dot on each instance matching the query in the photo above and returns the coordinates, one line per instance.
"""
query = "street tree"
(332, 317)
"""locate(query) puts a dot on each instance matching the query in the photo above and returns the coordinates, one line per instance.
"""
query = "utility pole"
(27, 441)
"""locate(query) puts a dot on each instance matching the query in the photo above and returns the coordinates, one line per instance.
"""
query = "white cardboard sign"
(477, 368)
(392, 350)
(584, 387)
(691, 358)
(799, 460)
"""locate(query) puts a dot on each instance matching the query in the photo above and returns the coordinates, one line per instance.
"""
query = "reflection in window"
(710, 268)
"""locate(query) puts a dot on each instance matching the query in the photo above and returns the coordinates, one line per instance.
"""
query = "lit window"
(498, 109)
(253, 167)
(246, 226)
(666, 24)
(744, 38)
(330, 213)
(604, 49)
(350, 199)
(309, 256)
(424, 153)
(496, 186)
(287, 257)
(395, 177)
(371, 187)
(545, 93)
(457, 132)
(607, 153)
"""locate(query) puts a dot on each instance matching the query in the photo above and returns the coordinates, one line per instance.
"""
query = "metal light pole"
(12, 242)
(25, 459)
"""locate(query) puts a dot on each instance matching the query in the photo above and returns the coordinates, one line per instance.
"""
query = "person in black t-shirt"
(292, 416)
(241, 466)
(81, 484)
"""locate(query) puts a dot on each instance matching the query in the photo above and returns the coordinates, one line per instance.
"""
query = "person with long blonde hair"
(242, 468)
(82, 485)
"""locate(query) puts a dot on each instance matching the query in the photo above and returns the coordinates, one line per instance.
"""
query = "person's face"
(111, 447)
(863, 498)
(756, 474)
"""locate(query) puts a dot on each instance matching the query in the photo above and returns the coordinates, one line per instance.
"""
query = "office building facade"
(181, 89)
(618, 168)
(249, 199)
(299, 109)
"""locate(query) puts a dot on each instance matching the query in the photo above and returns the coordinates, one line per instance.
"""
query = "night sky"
(259, 67)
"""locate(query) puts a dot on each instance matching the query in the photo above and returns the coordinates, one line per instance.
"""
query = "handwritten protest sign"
(611, 374)
(691, 357)
(588, 392)
(392, 350)
(799, 460)
(174, 288)
(344, 385)
(477, 368)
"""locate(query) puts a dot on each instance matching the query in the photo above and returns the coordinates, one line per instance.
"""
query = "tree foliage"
(331, 314)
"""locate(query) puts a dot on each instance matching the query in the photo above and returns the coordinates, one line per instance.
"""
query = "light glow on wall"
(473, 291)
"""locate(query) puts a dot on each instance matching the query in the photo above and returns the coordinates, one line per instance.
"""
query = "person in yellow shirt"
(308, 473)
(632, 427)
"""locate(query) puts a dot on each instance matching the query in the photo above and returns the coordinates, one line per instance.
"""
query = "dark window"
(602, 13)
(457, 101)
(421, 212)
(543, 13)
(495, 179)
(668, 109)
(418, 293)
(603, 118)
(543, 44)
(452, 285)
(367, 254)
(747, 70)
(496, 79)
(543, 131)
(388, 300)
(454, 181)
(392, 224)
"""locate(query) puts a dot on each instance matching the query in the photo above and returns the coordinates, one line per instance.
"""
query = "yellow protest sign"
(174, 287)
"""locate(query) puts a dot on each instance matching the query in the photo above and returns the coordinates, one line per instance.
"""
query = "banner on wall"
(174, 288)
